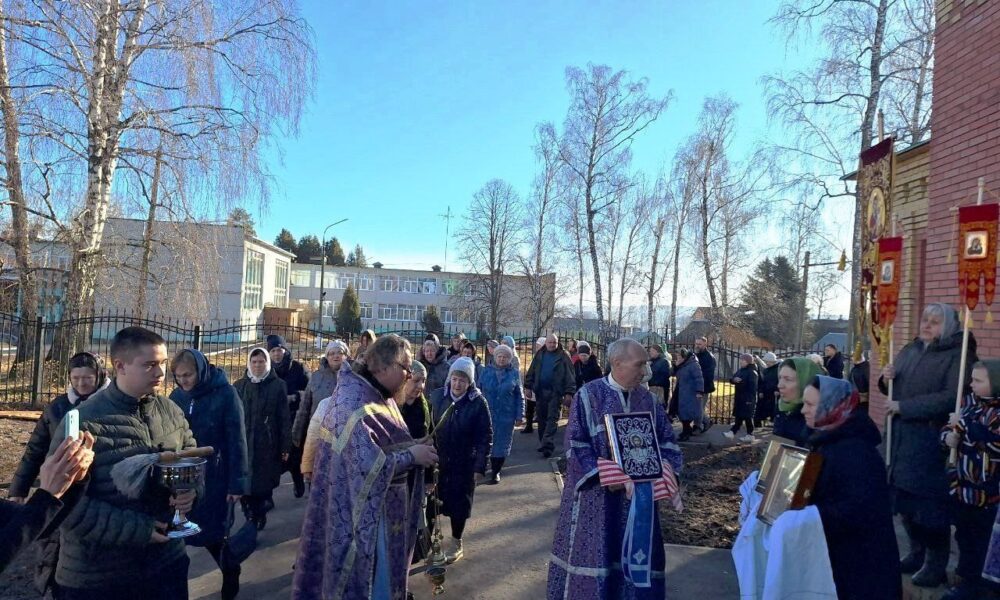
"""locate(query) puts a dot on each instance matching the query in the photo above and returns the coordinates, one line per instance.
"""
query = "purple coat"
(588, 537)
(359, 480)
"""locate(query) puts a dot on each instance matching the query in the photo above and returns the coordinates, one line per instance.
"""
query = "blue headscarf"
(837, 402)
(207, 375)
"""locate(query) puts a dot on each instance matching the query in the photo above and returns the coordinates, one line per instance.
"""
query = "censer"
(437, 558)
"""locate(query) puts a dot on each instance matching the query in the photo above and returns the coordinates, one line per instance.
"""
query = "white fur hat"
(464, 365)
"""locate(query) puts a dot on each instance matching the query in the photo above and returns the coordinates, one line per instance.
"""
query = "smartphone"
(71, 423)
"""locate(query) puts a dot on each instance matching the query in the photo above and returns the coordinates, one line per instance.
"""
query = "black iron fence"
(33, 372)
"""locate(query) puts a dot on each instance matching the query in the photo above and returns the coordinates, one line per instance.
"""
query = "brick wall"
(966, 143)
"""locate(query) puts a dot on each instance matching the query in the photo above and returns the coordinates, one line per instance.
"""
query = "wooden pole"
(966, 325)
(891, 355)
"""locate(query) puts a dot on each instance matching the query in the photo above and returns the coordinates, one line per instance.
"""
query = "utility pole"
(447, 227)
(841, 266)
(322, 273)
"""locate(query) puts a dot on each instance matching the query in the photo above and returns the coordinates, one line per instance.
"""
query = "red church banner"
(977, 252)
(890, 255)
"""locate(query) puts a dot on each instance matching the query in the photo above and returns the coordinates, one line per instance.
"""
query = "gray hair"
(385, 351)
(503, 350)
(622, 348)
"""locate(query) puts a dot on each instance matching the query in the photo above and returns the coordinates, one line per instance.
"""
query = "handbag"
(237, 547)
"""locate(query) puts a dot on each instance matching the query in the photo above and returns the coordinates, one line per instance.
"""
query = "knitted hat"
(583, 348)
(770, 358)
(465, 366)
(430, 337)
(337, 345)
(418, 370)
(275, 341)
(508, 340)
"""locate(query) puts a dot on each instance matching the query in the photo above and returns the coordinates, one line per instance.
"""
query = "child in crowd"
(975, 433)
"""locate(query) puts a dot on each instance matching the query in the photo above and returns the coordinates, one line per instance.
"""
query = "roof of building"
(725, 334)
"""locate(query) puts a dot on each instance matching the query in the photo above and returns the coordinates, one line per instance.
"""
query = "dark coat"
(296, 379)
(268, 429)
(767, 389)
(321, 385)
(834, 365)
(437, 369)
(792, 426)
(587, 371)
(215, 414)
(745, 396)
(463, 443)
(689, 385)
(21, 524)
(925, 386)
(104, 541)
(661, 372)
(707, 361)
(852, 497)
(563, 377)
(861, 376)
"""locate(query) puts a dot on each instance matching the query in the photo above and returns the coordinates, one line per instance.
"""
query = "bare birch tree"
(218, 80)
(607, 111)
(489, 240)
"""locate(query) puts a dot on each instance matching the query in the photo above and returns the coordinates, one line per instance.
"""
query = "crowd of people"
(384, 444)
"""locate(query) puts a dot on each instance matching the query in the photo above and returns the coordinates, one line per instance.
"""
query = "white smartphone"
(71, 423)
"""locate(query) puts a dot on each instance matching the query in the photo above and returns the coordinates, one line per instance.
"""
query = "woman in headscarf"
(87, 376)
(744, 398)
(469, 351)
(501, 385)
(456, 345)
(463, 442)
(434, 357)
(416, 411)
(321, 385)
(925, 376)
(508, 340)
(793, 377)
(689, 390)
(268, 433)
(365, 340)
(215, 415)
(851, 494)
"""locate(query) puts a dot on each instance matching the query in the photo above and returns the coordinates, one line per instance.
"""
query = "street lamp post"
(841, 266)
(322, 273)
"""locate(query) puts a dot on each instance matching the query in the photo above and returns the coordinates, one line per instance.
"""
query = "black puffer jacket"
(745, 396)
(268, 429)
(925, 385)
(463, 444)
(437, 369)
(105, 539)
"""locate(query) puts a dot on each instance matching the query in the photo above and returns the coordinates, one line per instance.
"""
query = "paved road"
(507, 544)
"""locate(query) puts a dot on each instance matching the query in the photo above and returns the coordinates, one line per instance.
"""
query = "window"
(428, 285)
(447, 315)
(329, 308)
(253, 281)
(367, 311)
(409, 312)
(301, 278)
(280, 283)
(343, 280)
(390, 284)
(409, 284)
(365, 283)
(449, 287)
(387, 312)
(303, 302)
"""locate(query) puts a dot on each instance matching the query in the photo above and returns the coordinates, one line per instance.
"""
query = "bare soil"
(710, 488)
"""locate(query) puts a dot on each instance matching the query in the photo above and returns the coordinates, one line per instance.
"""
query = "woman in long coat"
(321, 385)
(268, 432)
(215, 414)
(744, 398)
(463, 442)
(925, 377)
(689, 389)
(851, 494)
(501, 385)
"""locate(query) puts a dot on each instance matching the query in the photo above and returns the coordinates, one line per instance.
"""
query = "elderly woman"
(365, 340)
(501, 384)
(587, 368)
(469, 351)
(926, 377)
(491, 345)
(456, 345)
(851, 494)
(793, 377)
(463, 440)
(268, 433)
(321, 385)
(508, 341)
(215, 415)
(689, 390)
(434, 357)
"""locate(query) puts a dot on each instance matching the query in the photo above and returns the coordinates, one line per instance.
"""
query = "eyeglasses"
(407, 368)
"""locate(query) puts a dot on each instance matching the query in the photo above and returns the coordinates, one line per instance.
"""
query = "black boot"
(912, 562)
(300, 486)
(934, 572)
(230, 584)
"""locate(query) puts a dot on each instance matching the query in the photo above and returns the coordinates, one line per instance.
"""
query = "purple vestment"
(359, 481)
(586, 552)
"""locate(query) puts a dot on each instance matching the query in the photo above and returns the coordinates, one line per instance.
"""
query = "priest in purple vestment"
(587, 549)
(361, 522)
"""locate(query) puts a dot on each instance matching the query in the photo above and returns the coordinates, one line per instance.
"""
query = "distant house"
(707, 323)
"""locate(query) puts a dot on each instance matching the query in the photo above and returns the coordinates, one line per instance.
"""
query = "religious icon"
(795, 471)
(876, 214)
(632, 438)
(888, 270)
(975, 245)
(766, 467)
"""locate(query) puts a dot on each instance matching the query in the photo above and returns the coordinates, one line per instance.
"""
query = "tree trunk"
(19, 212)
(147, 238)
(651, 292)
(677, 273)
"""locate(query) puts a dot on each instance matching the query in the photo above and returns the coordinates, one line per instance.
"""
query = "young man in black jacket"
(296, 379)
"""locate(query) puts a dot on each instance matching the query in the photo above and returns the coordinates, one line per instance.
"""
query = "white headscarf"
(250, 374)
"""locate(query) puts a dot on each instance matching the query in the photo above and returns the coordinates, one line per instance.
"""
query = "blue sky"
(418, 104)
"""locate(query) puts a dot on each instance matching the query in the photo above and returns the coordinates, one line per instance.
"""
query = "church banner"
(977, 252)
(875, 195)
(890, 254)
